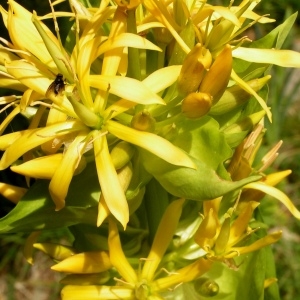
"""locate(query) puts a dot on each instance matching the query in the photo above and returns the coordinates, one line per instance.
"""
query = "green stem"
(134, 66)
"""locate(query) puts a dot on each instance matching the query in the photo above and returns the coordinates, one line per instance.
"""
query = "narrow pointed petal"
(162, 78)
(29, 139)
(248, 89)
(186, 274)
(9, 118)
(239, 226)
(110, 186)
(117, 256)
(59, 184)
(126, 40)
(162, 239)
(11, 192)
(279, 195)
(263, 242)
(219, 10)
(32, 168)
(84, 263)
(151, 142)
(127, 88)
(56, 251)
(283, 58)
(96, 292)
(25, 36)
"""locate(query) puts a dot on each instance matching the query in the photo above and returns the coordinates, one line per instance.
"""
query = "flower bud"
(196, 105)
(216, 80)
(193, 69)
(143, 121)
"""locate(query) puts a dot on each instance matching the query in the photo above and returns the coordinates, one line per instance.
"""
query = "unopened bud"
(196, 105)
(216, 80)
(143, 121)
(193, 69)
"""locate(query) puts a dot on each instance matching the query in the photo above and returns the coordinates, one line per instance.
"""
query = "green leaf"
(203, 140)
(207, 146)
(200, 184)
(36, 209)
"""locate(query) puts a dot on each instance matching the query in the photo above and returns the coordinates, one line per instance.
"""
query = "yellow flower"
(219, 238)
(144, 283)
(78, 117)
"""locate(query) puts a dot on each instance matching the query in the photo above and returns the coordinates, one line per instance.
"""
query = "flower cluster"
(163, 103)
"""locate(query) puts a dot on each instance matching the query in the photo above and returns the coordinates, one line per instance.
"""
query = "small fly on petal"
(57, 86)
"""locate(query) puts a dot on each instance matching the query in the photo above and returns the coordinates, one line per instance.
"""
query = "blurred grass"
(18, 280)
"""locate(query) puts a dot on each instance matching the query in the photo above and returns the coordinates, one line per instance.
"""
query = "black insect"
(57, 86)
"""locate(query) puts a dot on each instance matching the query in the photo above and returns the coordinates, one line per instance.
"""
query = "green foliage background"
(19, 281)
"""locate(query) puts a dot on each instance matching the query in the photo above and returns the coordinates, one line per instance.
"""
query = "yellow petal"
(279, 195)
(186, 274)
(11, 192)
(84, 263)
(37, 80)
(96, 292)
(251, 91)
(9, 118)
(162, 239)
(263, 242)
(151, 142)
(56, 251)
(283, 58)
(29, 139)
(64, 173)
(28, 247)
(219, 10)
(127, 88)
(162, 78)
(25, 36)
(124, 175)
(117, 256)
(239, 226)
(126, 40)
(110, 186)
